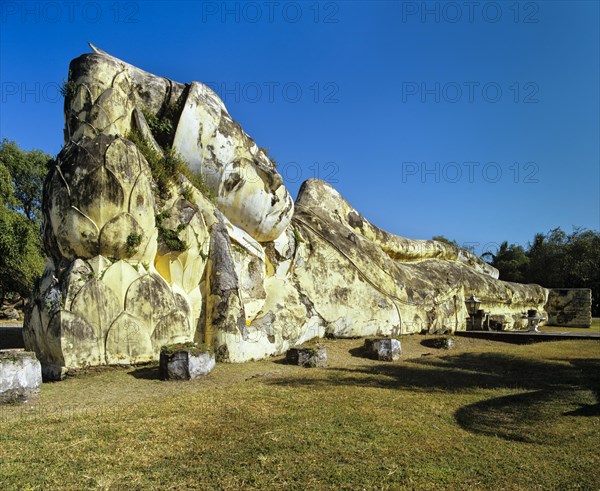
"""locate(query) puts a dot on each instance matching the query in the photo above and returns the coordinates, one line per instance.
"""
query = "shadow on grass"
(585, 410)
(148, 372)
(523, 417)
(548, 389)
(432, 343)
(591, 371)
(359, 352)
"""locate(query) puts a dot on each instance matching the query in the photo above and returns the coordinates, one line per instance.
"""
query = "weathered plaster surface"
(259, 275)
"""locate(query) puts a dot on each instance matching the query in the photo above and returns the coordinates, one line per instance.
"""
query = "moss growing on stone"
(168, 237)
(163, 168)
(238, 248)
(14, 356)
(297, 235)
(164, 124)
(311, 355)
(133, 242)
(167, 169)
(193, 349)
(187, 194)
(445, 342)
(265, 150)
(67, 89)
(166, 172)
(312, 347)
(199, 183)
(313, 350)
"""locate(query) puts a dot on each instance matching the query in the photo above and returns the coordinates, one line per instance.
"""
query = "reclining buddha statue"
(164, 222)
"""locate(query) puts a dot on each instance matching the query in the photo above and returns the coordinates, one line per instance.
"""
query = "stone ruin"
(570, 307)
(223, 256)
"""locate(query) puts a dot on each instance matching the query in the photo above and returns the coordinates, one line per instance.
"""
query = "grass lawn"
(595, 327)
(484, 415)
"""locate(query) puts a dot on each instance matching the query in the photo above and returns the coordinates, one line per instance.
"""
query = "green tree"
(561, 260)
(6, 188)
(21, 260)
(21, 179)
(554, 260)
(511, 261)
(547, 255)
(27, 171)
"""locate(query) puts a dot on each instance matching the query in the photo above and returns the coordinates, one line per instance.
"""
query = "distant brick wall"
(570, 307)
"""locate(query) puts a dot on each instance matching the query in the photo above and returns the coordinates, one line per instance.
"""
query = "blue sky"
(479, 121)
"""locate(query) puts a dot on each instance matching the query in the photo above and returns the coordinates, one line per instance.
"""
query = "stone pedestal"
(310, 357)
(185, 362)
(384, 349)
(20, 375)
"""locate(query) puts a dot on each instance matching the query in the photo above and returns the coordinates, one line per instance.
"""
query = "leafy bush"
(67, 89)
(166, 170)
